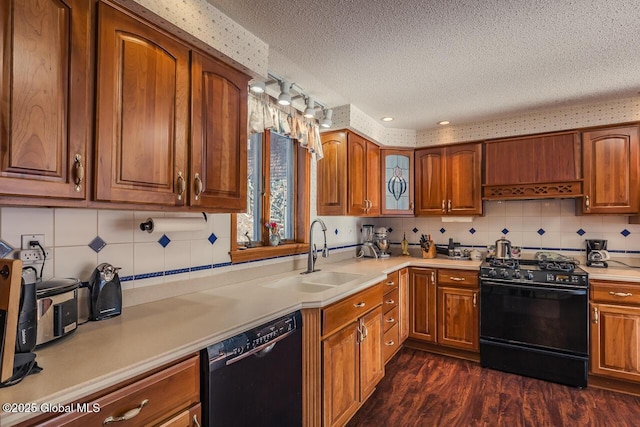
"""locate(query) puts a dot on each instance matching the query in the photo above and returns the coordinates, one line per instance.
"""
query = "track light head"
(285, 97)
(310, 111)
(326, 122)
(258, 87)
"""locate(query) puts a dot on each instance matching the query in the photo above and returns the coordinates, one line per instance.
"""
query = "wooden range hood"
(533, 167)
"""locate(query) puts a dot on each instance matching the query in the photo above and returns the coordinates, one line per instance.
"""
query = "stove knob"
(516, 274)
(504, 274)
(529, 275)
(493, 273)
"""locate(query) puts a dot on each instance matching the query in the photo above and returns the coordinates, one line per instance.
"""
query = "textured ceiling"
(464, 61)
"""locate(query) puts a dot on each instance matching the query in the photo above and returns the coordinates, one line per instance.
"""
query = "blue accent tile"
(505, 231)
(415, 230)
(202, 267)
(472, 230)
(443, 230)
(164, 241)
(625, 232)
(126, 278)
(390, 230)
(226, 264)
(541, 231)
(176, 271)
(212, 238)
(336, 231)
(97, 244)
(581, 232)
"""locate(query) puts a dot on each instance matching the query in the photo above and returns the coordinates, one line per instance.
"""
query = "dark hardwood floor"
(424, 389)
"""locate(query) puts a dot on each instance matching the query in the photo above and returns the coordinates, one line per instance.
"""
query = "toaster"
(105, 293)
(57, 302)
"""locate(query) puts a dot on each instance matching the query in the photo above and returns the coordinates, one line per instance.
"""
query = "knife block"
(431, 253)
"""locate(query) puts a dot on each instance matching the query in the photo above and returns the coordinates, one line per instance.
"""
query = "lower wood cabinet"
(395, 307)
(615, 330)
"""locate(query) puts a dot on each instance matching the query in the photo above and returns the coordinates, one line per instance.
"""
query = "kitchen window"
(277, 192)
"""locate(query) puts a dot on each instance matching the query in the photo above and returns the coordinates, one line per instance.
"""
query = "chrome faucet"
(311, 260)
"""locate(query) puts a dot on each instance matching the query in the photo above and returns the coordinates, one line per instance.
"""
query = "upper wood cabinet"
(46, 88)
(541, 166)
(218, 134)
(348, 175)
(448, 180)
(610, 165)
(142, 112)
(396, 170)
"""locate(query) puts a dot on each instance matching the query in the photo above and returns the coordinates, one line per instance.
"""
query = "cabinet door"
(615, 341)
(610, 165)
(45, 79)
(142, 112)
(340, 376)
(187, 418)
(423, 304)
(371, 359)
(464, 179)
(403, 304)
(218, 135)
(430, 185)
(458, 324)
(373, 179)
(332, 174)
(396, 167)
(357, 182)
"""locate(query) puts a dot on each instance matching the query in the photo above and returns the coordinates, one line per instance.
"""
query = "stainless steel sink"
(314, 282)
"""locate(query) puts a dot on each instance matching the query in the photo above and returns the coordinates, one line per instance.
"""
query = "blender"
(368, 249)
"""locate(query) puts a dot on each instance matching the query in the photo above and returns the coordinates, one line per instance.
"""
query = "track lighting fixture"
(258, 87)
(326, 121)
(285, 97)
(310, 111)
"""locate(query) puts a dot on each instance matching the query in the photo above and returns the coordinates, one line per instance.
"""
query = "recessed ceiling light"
(444, 122)
(387, 119)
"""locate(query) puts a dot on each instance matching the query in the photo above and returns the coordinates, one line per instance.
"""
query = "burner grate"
(557, 266)
(504, 263)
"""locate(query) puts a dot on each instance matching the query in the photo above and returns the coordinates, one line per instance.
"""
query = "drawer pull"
(457, 279)
(359, 305)
(595, 315)
(389, 343)
(389, 301)
(475, 300)
(131, 413)
(390, 320)
(390, 283)
(621, 294)
(196, 423)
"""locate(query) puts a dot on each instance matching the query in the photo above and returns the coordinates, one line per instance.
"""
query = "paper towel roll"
(163, 225)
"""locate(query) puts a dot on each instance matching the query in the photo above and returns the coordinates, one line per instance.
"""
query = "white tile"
(480, 238)
(119, 255)
(552, 223)
(514, 208)
(531, 240)
(176, 277)
(18, 221)
(75, 261)
(531, 207)
(495, 208)
(550, 208)
(150, 281)
(116, 226)
(75, 227)
(221, 250)
(221, 224)
(513, 224)
(551, 240)
(570, 223)
(201, 253)
(531, 223)
(496, 224)
(148, 257)
(617, 242)
(516, 238)
(591, 224)
(614, 223)
(568, 207)
(480, 223)
(177, 255)
(571, 240)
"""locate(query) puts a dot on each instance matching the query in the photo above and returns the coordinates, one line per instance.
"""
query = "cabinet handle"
(78, 172)
(621, 294)
(390, 320)
(433, 277)
(181, 185)
(360, 333)
(389, 301)
(449, 206)
(390, 283)
(595, 315)
(366, 331)
(475, 299)
(197, 184)
(132, 413)
(359, 305)
(457, 279)
(587, 203)
(444, 209)
(195, 421)
(411, 206)
(389, 343)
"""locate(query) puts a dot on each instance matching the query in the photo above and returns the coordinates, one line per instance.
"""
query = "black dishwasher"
(255, 378)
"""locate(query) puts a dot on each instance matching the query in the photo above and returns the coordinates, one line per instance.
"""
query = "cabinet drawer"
(615, 292)
(466, 278)
(392, 281)
(390, 300)
(390, 342)
(349, 309)
(390, 318)
(167, 392)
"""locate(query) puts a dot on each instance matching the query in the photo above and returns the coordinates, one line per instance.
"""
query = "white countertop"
(146, 336)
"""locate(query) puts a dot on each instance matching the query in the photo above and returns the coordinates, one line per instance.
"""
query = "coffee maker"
(597, 254)
(368, 249)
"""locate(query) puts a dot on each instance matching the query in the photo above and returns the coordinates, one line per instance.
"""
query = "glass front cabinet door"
(397, 172)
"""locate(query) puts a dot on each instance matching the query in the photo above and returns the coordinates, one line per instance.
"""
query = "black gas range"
(534, 319)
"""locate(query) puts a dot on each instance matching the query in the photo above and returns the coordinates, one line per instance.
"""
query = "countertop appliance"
(382, 242)
(255, 378)
(368, 249)
(597, 254)
(28, 312)
(105, 293)
(534, 319)
(503, 248)
(57, 309)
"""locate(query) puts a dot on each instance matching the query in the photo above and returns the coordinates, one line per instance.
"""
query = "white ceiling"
(465, 61)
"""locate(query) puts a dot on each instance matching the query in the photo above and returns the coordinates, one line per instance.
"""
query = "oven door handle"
(572, 291)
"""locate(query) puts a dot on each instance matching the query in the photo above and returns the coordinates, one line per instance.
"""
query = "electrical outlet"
(27, 238)
(33, 256)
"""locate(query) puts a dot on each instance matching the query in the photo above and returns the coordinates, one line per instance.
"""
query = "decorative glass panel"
(397, 182)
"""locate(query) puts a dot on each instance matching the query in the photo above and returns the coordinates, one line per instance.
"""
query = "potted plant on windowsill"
(274, 233)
